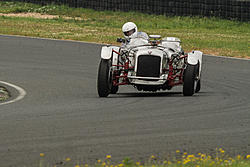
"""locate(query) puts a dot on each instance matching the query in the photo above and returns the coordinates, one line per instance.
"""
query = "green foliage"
(128, 162)
(4, 93)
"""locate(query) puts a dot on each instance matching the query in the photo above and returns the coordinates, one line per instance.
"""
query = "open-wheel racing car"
(149, 65)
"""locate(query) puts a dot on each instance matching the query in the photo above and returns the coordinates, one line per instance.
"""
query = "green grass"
(210, 35)
(183, 160)
(4, 94)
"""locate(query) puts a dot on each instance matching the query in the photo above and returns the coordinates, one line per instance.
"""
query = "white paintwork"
(172, 42)
(153, 52)
(140, 81)
(20, 90)
(107, 52)
(171, 39)
(194, 57)
(155, 36)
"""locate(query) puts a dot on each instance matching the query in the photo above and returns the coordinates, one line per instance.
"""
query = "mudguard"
(107, 52)
(194, 58)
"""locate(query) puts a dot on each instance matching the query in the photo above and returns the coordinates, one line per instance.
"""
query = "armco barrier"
(228, 9)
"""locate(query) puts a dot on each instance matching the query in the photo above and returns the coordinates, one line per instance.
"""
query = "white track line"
(20, 90)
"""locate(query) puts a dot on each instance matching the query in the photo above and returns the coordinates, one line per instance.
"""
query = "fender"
(194, 57)
(107, 53)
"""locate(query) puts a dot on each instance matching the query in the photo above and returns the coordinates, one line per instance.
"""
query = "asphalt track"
(62, 115)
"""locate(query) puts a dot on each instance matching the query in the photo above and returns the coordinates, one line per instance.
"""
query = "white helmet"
(129, 29)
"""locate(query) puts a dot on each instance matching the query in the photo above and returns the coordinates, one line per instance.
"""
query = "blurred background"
(226, 9)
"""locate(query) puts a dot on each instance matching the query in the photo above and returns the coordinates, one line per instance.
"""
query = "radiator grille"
(148, 66)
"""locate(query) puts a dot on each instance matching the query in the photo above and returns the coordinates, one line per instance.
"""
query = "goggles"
(128, 33)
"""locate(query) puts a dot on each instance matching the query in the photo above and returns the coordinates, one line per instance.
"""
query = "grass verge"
(210, 35)
(180, 160)
(4, 94)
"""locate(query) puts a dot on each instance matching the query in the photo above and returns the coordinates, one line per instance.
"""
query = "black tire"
(198, 87)
(114, 89)
(198, 83)
(189, 80)
(104, 81)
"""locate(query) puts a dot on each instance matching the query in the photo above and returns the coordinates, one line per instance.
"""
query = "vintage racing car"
(149, 65)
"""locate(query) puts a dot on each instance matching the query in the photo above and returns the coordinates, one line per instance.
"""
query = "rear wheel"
(104, 81)
(189, 80)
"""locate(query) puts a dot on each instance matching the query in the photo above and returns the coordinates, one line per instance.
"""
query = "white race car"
(149, 65)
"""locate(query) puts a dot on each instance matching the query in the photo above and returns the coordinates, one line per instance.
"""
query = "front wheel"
(114, 89)
(189, 79)
(198, 87)
(104, 81)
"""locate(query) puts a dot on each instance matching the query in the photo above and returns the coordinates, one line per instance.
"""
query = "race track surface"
(62, 115)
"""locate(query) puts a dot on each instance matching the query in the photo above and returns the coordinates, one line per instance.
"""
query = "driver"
(130, 31)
